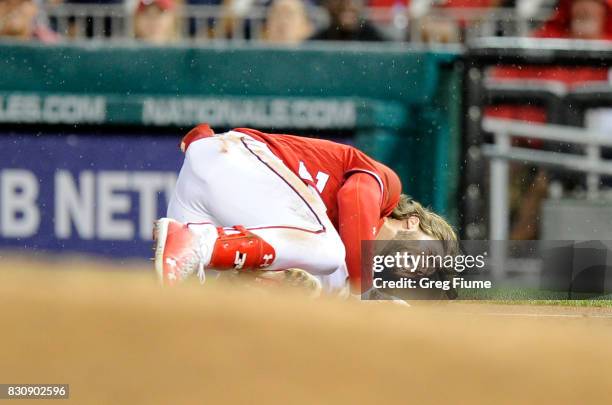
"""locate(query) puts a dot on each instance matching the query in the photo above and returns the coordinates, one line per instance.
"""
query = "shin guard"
(241, 250)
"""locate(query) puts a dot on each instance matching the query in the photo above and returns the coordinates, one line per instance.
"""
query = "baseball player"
(248, 200)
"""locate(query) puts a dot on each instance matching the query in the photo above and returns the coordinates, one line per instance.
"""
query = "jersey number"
(321, 177)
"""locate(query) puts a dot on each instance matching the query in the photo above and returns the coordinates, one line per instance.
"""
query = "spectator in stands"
(439, 31)
(573, 19)
(580, 19)
(453, 27)
(20, 19)
(347, 23)
(287, 22)
(155, 21)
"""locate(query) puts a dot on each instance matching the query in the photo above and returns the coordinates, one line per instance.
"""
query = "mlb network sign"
(91, 194)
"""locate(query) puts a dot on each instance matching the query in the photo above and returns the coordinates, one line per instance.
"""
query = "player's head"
(421, 223)
(411, 222)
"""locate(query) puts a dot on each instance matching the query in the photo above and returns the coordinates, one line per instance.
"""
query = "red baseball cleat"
(183, 249)
(179, 251)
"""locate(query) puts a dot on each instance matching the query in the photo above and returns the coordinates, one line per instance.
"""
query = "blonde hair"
(435, 226)
(429, 222)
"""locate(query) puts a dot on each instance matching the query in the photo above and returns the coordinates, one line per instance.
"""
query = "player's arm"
(359, 214)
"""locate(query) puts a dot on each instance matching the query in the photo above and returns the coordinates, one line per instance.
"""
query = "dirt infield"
(116, 337)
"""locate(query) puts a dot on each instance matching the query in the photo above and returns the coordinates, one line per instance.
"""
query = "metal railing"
(216, 22)
(476, 22)
(80, 21)
(484, 53)
(114, 21)
(586, 159)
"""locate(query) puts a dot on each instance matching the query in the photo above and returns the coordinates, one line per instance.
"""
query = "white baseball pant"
(232, 179)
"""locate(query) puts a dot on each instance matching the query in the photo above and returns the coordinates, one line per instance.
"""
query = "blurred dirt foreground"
(117, 337)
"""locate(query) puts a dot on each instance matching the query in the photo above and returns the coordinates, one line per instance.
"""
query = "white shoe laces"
(201, 253)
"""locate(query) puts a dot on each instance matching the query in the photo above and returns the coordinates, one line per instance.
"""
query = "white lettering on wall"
(111, 203)
(74, 204)
(107, 205)
(20, 216)
(234, 112)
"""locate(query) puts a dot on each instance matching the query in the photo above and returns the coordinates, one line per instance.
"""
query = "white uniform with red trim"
(233, 179)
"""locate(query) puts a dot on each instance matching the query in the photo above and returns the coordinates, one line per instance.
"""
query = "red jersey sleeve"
(359, 217)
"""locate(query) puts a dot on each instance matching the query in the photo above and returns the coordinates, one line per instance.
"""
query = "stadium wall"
(89, 133)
